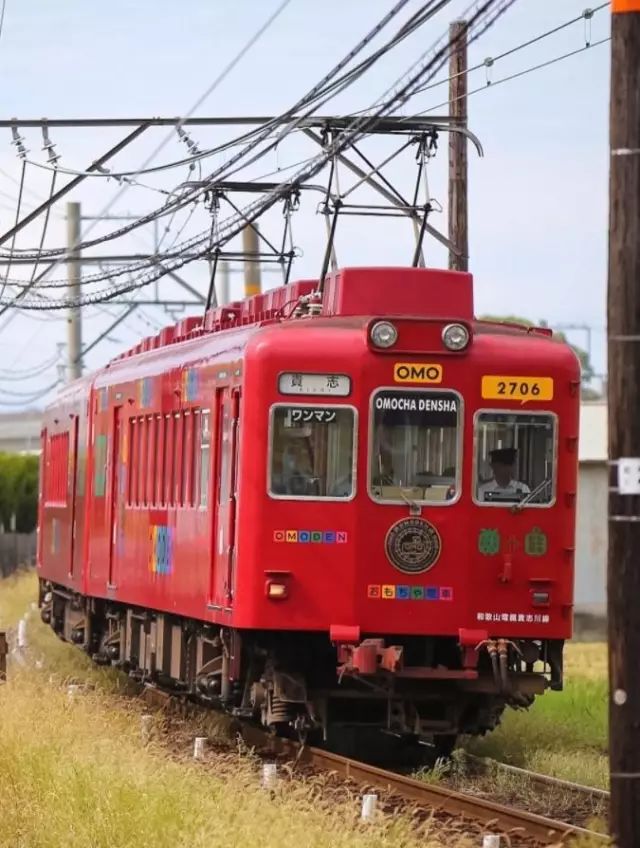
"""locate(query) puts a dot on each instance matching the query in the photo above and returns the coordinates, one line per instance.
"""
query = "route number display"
(499, 387)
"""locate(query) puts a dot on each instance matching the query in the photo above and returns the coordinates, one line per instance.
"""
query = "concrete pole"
(74, 274)
(224, 291)
(251, 247)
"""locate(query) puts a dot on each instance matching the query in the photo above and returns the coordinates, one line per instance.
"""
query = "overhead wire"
(483, 17)
(493, 83)
(262, 133)
(216, 82)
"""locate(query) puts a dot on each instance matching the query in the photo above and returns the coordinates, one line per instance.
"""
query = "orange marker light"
(276, 591)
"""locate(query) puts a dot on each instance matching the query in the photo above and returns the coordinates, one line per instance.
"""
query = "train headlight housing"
(455, 336)
(384, 334)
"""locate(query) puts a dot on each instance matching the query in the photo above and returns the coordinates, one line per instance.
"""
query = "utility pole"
(74, 274)
(624, 425)
(458, 212)
(251, 247)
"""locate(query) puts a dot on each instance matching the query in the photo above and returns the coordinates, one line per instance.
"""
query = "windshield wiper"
(528, 498)
(415, 506)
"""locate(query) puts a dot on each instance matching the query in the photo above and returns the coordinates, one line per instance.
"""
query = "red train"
(338, 511)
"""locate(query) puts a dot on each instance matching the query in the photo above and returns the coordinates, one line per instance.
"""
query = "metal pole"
(74, 275)
(251, 247)
(458, 213)
(624, 426)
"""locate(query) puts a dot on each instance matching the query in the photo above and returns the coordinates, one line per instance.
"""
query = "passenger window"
(415, 446)
(312, 452)
(205, 452)
(515, 458)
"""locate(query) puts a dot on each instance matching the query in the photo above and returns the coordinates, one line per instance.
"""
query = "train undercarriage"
(368, 700)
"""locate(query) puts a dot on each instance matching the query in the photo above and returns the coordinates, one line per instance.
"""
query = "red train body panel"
(274, 470)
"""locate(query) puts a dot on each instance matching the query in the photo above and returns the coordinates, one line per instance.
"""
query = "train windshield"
(415, 454)
(312, 452)
(515, 460)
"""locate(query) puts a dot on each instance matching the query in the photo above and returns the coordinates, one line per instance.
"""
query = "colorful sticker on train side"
(311, 537)
(514, 617)
(161, 554)
(405, 592)
(145, 392)
(190, 385)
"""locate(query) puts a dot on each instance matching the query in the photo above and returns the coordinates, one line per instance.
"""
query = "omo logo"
(417, 372)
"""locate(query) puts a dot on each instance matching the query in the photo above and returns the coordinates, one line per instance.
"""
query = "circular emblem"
(413, 545)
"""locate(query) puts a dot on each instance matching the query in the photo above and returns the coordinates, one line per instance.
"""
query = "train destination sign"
(417, 408)
(293, 383)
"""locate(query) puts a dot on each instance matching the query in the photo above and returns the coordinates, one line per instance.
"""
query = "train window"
(312, 452)
(515, 458)
(205, 456)
(57, 469)
(415, 454)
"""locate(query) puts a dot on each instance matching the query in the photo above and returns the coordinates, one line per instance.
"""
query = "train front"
(413, 528)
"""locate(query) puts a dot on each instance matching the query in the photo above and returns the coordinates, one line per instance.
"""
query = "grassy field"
(76, 773)
(565, 733)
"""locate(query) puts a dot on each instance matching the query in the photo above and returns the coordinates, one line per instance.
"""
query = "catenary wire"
(216, 82)
(483, 17)
(264, 131)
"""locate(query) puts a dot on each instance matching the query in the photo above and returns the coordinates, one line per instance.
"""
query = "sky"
(538, 197)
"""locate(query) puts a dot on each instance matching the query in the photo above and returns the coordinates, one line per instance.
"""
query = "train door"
(224, 549)
(116, 494)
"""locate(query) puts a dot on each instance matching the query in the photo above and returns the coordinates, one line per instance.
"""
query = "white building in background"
(20, 431)
(592, 518)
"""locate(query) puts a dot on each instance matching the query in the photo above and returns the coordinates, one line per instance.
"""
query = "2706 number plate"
(497, 387)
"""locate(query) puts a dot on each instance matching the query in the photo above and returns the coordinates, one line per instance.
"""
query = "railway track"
(520, 826)
(488, 765)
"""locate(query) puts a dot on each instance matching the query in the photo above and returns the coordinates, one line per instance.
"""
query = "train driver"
(503, 483)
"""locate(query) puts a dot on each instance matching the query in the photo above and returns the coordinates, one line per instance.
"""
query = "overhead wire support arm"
(72, 184)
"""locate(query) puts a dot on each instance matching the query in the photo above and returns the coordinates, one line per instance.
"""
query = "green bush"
(19, 491)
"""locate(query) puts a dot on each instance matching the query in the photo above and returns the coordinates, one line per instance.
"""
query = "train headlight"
(384, 334)
(455, 336)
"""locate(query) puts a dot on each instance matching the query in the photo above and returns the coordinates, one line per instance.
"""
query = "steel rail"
(489, 764)
(508, 820)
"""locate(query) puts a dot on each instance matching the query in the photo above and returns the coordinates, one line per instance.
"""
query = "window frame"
(354, 456)
(517, 412)
(459, 444)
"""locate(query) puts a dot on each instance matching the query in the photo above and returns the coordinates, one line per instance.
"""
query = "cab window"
(415, 451)
(515, 459)
(312, 451)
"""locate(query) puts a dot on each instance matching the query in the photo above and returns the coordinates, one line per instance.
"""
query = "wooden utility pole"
(74, 274)
(458, 201)
(251, 247)
(624, 426)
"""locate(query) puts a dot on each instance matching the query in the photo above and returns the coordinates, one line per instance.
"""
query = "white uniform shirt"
(514, 488)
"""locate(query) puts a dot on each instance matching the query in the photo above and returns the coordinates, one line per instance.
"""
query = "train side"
(274, 512)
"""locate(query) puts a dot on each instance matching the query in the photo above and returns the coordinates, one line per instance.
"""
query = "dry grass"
(76, 773)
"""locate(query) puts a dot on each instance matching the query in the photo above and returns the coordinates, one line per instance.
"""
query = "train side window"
(312, 452)
(205, 455)
(515, 458)
(159, 469)
(57, 469)
(168, 461)
(415, 446)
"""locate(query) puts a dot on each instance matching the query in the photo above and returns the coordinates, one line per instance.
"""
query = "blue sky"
(538, 199)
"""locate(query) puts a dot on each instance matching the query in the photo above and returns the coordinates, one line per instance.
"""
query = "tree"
(586, 366)
(19, 491)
